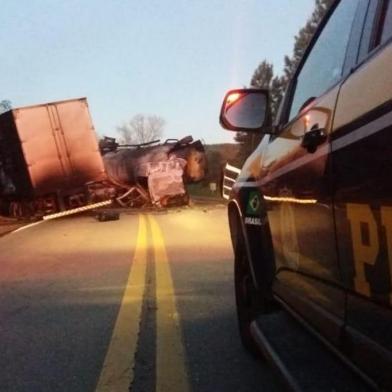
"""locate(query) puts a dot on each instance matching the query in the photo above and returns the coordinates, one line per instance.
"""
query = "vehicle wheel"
(249, 300)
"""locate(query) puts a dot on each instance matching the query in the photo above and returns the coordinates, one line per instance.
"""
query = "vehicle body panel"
(295, 187)
(362, 163)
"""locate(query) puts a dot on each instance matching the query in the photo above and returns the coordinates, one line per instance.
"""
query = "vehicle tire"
(249, 300)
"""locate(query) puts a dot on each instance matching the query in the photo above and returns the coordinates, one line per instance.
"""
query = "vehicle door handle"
(312, 139)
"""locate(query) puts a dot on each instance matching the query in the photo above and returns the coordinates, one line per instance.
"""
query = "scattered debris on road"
(104, 216)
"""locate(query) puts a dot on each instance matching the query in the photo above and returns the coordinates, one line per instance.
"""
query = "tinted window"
(324, 65)
(366, 40)
(387, 28)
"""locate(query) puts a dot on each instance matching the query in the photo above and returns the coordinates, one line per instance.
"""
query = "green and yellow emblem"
(254, 203)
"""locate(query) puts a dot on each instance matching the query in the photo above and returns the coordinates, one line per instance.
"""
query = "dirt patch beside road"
(7, 225)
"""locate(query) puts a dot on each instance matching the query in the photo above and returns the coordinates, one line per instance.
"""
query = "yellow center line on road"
(171, 374)
(118, 368)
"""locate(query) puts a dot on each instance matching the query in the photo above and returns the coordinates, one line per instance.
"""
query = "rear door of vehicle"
(362, 167)
(296, 182)
(59, 145)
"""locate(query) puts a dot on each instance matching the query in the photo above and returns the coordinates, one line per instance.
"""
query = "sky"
(172, 58)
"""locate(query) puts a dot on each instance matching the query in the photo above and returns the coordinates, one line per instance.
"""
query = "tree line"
(264, 76)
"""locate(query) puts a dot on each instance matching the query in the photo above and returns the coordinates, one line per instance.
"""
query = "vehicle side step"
(304, 362)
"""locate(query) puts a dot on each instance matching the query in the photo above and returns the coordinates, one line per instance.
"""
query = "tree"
(5, 105)
(141, 129)
(263, 77)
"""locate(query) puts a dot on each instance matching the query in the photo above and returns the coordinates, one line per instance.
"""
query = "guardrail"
(230, 174)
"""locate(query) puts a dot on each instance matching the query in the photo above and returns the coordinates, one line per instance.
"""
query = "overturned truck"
(51, 164)
(154, 173)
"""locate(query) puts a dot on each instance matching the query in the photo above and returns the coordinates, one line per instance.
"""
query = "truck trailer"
(50, 161)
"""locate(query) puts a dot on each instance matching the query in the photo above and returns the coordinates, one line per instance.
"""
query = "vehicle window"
(324, 65)
(366, 39)
(387, 27)
(356, 35)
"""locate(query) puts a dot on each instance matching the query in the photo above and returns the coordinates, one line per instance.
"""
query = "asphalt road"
(143, 303)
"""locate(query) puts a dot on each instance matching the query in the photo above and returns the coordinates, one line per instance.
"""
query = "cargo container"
(49, 157)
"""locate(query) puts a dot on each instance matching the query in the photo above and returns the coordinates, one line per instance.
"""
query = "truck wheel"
(249, 300)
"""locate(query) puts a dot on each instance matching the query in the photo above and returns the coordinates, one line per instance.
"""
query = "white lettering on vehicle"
(252, 221)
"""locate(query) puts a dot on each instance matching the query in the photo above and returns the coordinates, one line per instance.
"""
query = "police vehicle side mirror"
(246, 110)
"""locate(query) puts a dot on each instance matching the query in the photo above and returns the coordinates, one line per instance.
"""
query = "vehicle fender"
(257, 240)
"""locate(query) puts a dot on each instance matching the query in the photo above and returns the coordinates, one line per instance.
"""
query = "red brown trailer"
(49, 158)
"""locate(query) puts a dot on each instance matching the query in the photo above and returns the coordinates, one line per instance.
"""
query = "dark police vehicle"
(311, 212)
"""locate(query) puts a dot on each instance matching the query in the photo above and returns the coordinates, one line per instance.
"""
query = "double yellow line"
(118, 369)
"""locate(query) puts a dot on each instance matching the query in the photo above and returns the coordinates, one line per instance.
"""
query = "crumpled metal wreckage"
(153, 173)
